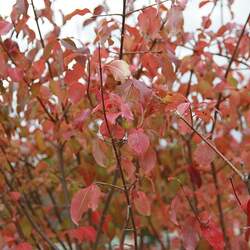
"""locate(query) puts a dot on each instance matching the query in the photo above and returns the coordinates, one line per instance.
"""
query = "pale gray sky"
(192, 14)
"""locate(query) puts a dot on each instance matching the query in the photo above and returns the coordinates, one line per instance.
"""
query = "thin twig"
(118, 160)
(231, 165)
(41, 37)
(109, 185)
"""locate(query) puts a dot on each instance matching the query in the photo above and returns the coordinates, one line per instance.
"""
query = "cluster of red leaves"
(91, 132)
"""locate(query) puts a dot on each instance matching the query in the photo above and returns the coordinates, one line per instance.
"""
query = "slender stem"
(158, 237)
(235, 194)
(109, 185)
(41, 37)
(37, 228)
(123, 29)
(63, 179)
(231, 165)
(88, 84)
(143, 8)
(118, 160)
(219, 206)
(219, 100)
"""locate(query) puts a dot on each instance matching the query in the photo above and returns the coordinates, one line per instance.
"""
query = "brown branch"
(41, 37)
(123, 29)
(36, 227)
(219, 206)
(105, 210)
(88, 84)
(231, 165)
(219, 100)
(157, 236)
(118, 160)
(143, 8)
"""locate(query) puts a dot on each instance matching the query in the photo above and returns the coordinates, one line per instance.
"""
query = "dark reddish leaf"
(195, 176)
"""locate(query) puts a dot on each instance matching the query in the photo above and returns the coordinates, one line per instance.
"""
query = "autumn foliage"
(136, 139)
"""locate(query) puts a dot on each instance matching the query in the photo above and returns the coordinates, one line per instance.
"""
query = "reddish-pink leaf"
(23, 246)
(149, 22)
(189, 234)
(15, 196)
(15, 74)
(138, 141)
(119, 69)
(76, 12)
(211, 232)
(142, 203)
(183, 107)
(148, 161)
(247, 210)
(75, 74)
(203, 154)
(5, 27)
(128, 168)
(100, 152)
(87, 233)
(76, 92)
(84, 199)
(175, 20)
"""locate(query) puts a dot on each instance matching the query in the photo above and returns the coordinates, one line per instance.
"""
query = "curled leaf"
(119, 69)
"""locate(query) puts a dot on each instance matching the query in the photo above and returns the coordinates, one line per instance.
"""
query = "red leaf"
(117, 131)
(24, 246)
(211, 232)
(138, 141)
(149, 22)
(148, 161)
(15, 196)
(175, 20)
(75, 74)
(5, 27)
(15, 74)
(183, 107)
(189, 234)
(247, 210)
(100, 152)
(128, 168)
(87, 233)
(76, 92)
(119, 69)
(84, 199)
(142, 203)
(203, 154)
(76, 12)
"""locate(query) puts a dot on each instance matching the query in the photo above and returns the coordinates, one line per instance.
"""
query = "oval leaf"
(142, 203)
(138, 141)
(84, 199)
